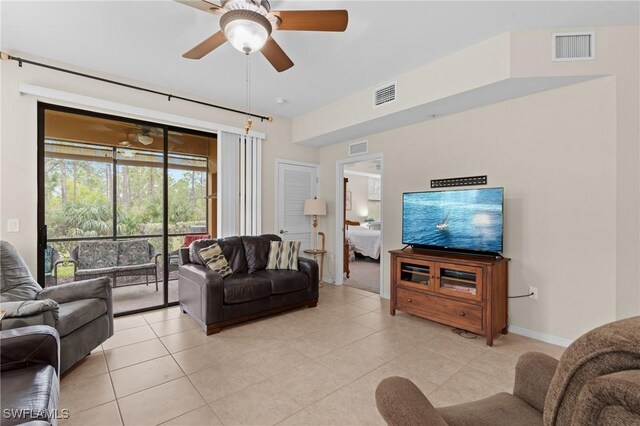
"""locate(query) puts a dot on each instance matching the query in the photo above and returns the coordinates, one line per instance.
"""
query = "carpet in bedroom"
(365, 275)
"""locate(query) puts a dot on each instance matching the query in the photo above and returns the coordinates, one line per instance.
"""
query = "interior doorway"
(360, 201)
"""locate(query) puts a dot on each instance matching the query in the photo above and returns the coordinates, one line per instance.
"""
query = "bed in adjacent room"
(366, 241)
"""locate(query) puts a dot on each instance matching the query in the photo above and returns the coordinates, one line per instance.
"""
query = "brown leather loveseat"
(250, 292)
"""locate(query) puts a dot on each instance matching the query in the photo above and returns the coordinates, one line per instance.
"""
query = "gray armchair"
(81, 312)
(29, 361)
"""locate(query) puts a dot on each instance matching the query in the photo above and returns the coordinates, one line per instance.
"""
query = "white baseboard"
(383, 295)
(543, 337)
(548, 338)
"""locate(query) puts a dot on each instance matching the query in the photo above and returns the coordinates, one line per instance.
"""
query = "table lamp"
(314, 207)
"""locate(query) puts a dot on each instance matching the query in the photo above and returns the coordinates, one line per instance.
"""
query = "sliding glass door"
(139, 207)
(118, 198)
(192, 205)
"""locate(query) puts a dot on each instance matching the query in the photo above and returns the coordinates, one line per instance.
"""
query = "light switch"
(13, 225)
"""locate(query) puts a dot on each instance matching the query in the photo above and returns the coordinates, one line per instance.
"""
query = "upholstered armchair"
(29, 361)
(81, 312)
(595, 382)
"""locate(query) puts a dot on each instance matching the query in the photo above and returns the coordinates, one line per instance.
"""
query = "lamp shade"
(314, 206)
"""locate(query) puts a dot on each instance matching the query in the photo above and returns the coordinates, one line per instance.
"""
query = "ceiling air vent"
(358, 148)
(574, 46)
(384, 95)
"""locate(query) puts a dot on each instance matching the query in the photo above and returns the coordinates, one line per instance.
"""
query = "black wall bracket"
(459, 181)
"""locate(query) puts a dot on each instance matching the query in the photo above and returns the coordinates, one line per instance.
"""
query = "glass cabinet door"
(459, 281)
(416, 273)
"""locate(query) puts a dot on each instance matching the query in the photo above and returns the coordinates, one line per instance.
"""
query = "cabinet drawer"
(459, 314)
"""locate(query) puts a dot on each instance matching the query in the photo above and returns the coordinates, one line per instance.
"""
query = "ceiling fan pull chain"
(249, 122)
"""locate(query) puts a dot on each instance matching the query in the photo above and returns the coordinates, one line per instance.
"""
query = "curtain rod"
(169, 96)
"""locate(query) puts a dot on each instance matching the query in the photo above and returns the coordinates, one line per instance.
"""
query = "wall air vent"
(384, 95)
(358, 148)
(573, 46)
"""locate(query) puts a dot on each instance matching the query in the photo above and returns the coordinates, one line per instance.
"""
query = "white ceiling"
(144, 41)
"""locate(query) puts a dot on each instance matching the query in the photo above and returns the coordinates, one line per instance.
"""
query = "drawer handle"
(409, 300)
(462, 314)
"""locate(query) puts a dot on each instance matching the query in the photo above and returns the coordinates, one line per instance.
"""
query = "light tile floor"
(316, 366)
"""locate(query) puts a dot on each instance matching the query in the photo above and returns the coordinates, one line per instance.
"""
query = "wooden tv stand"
(460, 290)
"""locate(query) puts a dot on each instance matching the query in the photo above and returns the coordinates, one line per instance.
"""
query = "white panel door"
(296, 183)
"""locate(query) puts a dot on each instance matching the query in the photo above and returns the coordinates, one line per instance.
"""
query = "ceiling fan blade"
(175, 140)
(312, 20)
(276, 56)
(206, 46)
(202, 5)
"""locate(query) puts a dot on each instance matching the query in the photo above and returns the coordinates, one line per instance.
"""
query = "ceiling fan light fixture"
(246, 30)
(145, 139)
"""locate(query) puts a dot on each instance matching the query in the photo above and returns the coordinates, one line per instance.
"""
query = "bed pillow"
(283, 255)
(214, 259)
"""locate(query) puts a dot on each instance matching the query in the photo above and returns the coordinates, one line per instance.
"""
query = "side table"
(317, 253)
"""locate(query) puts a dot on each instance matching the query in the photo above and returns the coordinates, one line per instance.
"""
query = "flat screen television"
(465, 219)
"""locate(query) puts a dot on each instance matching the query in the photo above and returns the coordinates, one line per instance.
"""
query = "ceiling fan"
(248, 24)
(145, 135)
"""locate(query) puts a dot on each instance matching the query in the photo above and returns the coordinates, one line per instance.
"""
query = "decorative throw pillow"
(214, 259)
(283, 255)
(133, 252)
(188, 239)
(97, 254)
(48, 260)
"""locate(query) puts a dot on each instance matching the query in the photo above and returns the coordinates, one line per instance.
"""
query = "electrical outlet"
(533, 290)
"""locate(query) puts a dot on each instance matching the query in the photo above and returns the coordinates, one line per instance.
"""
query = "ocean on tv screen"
(466, 219)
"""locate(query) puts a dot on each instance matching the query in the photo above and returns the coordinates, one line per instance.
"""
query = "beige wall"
(359, 187)
(617, 54)
(555, 155)
(436, 80)
(18, 142)
(569, 160)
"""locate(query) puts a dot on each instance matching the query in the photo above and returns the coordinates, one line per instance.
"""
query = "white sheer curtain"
(239, 185)
(250, 185)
